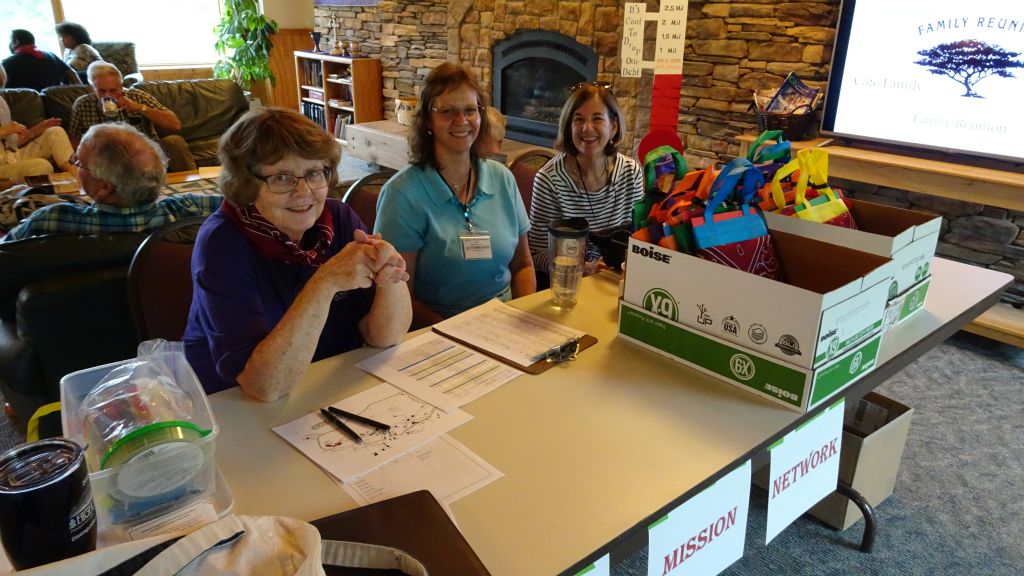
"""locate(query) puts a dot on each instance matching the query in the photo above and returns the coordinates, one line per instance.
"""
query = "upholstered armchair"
(122, 55)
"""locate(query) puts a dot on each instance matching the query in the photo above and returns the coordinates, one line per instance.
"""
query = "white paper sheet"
(444, 466)
(508, 332)
(412, 422)
(439, 371)
(804, 468)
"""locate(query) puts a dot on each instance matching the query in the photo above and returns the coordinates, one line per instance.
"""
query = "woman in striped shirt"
(588, 178)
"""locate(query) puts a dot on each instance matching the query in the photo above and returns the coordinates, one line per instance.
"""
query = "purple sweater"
(238, 297)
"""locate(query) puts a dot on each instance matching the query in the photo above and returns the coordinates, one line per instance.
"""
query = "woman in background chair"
(456, 217)
(282, 275)
(79, 52)
(588, 178)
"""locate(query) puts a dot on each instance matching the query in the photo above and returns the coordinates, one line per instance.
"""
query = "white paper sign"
(601, 567)
(705, 534)
(804, 468)
(669, 39)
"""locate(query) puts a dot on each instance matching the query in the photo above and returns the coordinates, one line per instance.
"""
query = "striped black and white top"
(556, 195)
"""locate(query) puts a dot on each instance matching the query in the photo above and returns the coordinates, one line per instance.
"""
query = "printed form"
(439, 371)
(515, 335)
(444, 466)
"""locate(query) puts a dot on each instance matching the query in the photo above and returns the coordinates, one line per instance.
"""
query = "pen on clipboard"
(562, 352)
(358, 418)
(340, 425)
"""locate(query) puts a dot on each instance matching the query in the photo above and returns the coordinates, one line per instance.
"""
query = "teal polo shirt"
(416, 212)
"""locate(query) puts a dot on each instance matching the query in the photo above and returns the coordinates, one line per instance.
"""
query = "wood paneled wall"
(282, 64)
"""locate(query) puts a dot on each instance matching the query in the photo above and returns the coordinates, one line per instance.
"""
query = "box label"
(738, 366)
(705, 534)
(830, 379)
(913, 263)
(849, 322)
(914, 300)
(804, 468)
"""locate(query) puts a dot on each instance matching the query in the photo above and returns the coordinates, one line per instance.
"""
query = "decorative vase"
(315, 36)
(405, 108)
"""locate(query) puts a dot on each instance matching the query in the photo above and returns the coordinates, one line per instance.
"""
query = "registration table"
(593, 450)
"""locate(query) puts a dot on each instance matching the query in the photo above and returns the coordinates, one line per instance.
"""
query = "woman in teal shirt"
(456, 217)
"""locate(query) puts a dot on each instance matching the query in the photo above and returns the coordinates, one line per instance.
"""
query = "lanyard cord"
(583, 179)
(466, 211)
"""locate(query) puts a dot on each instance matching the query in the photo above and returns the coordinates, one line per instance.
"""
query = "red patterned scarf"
(29, 49)
(273, 244)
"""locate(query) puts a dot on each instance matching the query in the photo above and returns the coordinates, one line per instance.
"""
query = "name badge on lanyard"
(476, 244)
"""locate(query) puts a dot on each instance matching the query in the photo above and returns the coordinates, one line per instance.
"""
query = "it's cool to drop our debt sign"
(705, 534)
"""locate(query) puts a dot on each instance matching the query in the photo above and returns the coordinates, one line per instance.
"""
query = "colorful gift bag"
(827, 207)
(737, 238)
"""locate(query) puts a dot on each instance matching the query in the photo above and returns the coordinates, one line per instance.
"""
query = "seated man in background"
(28, 151)
(122, 171)
(30, 67)
(132, 106)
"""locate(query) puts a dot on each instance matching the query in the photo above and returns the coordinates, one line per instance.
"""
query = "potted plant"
(243, 44)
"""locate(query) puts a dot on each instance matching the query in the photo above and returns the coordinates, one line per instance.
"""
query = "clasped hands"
(365, 261)
(28, 133)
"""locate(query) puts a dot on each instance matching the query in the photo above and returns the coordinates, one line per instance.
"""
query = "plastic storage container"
(158, 458)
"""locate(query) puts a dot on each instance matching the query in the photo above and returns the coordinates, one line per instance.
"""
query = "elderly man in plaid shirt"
(135, 107)
(123, 172)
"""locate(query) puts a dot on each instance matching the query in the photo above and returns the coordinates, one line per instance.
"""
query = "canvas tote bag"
(256, 545)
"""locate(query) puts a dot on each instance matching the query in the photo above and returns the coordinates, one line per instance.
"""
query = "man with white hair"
(27, 151)
(123, 172)
(131, 106)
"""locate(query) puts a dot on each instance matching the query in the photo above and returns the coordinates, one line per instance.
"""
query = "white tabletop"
(589, 449)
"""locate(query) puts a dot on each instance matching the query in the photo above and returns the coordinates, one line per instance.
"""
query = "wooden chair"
(362, 196)
(160, 280)
(525, 166)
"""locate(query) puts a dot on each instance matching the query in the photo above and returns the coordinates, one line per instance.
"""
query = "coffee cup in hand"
(109, 106)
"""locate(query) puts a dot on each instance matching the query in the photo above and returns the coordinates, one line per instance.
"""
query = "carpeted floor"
(958, 507)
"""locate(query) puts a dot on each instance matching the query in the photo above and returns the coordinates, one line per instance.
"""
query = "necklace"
(583, 177)
(453, 186)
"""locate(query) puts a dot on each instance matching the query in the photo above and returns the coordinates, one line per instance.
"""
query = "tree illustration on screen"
(969, 61)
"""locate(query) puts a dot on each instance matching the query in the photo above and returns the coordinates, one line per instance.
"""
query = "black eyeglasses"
(284, 183)
(596, 84)
(450, 113)
(77, 162)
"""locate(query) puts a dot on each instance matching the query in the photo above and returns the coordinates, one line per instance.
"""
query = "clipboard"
(582, 343)
(564, 351)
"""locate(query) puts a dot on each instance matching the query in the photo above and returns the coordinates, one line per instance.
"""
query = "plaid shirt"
(85, 113)
(104, 218)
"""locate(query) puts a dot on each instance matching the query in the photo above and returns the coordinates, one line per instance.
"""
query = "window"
(165, 32)
(36, 16)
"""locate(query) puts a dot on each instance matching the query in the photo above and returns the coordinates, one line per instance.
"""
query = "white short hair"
(100, 68)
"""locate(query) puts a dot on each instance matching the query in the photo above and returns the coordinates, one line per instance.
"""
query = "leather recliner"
(207, 107)
(63, 307)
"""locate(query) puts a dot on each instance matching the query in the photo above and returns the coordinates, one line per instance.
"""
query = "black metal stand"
(867, 542)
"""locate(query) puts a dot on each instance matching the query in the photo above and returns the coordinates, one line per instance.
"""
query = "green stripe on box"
(849, 341)
(733, 364)
(914, 300)
(832, 378)
(586, 570)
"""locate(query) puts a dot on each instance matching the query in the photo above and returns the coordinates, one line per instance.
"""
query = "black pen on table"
(358, 418)
(339, 424)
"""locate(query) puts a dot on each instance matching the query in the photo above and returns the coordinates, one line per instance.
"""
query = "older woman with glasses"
(282, 275)
(456, 217)
(588, 178)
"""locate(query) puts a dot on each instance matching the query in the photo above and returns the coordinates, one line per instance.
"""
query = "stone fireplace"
(532, 74)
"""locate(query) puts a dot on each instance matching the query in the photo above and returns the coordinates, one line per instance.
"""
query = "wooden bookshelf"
(334, 89)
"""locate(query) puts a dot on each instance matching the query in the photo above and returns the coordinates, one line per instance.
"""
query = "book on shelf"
(341, 121)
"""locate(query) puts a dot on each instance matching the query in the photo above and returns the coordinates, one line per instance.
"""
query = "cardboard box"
(832, 300)
(906, 236)
(875, 432)
(792, 386)
(905, 305)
